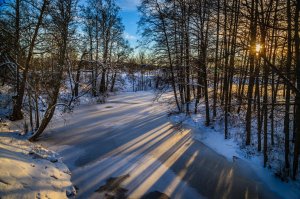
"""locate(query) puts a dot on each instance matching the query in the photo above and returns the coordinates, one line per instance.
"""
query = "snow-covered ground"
(131, 140)
(213, 136)
(28, 170)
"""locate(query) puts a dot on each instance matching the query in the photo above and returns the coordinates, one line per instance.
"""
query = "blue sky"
(130, 17)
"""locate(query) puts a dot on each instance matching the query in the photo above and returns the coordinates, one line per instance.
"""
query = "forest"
(47, 41)
(239, 58)
(234, 63)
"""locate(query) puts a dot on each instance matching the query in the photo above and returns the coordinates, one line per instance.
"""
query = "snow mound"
(28, 170)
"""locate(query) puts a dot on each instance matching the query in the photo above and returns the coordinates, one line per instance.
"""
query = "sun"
(258, 48)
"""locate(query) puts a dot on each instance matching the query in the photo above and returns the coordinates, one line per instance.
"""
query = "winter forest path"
(132, 135)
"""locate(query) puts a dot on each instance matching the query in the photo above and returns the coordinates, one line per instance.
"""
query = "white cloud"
(129, 36)
(128, 5)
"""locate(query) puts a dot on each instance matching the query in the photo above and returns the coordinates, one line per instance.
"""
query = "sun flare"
(258, 48)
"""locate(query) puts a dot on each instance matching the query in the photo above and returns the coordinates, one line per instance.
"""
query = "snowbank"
(28, 170)
(213, 137)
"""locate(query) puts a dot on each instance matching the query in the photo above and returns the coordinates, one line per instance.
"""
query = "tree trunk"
(17, 109)
(253, 30)
(287, 96)
(297, 99)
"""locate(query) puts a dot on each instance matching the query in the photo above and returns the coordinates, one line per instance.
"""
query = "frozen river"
(131, 136)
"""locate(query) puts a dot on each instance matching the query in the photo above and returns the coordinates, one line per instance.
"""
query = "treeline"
(237, 56)
(45, 43)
